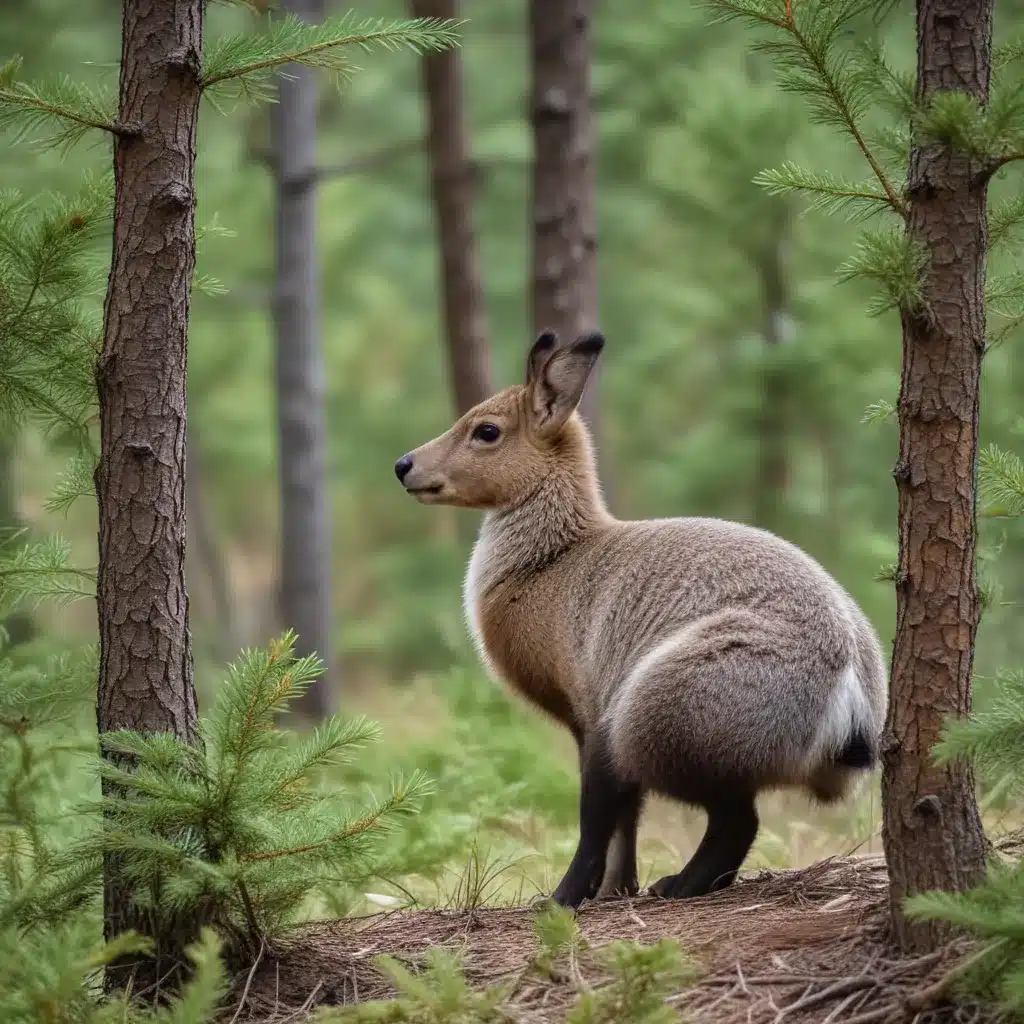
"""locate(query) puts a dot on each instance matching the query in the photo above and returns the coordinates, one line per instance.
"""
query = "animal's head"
(495, 455)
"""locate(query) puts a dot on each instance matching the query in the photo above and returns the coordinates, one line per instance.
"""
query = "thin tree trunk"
(452, 181)
(773, 456)
(564, 176)
(931, 827)
(305, 596)
(145, 679)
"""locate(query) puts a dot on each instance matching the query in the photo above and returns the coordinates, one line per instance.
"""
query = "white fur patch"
(623, 696)
(471, 598)
(848, 709)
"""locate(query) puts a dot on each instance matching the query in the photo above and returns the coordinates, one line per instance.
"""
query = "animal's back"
(717, 649)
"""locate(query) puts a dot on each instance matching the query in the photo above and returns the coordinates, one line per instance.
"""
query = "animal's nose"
(402, 467)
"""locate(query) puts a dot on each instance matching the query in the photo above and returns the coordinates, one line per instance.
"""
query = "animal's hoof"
(668, 888)
(620, 892)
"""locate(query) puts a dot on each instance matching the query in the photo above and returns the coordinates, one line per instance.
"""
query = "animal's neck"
(566, 507)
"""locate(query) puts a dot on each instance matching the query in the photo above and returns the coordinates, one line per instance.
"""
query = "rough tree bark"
(305, 556)
(452, 181)
(145, 679)
(931, 827)
(564, 291)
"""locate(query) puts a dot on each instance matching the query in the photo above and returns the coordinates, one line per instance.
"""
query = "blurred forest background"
(741, 380)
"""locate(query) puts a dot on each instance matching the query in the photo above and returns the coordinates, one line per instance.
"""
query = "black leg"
(620, 872)
(732, 829)
(604, 800)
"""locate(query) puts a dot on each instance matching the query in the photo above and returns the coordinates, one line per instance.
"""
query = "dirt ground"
(801, 946)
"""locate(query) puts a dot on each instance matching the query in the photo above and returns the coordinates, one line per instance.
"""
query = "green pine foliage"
(245, 65)
(233, 829)
(642, 977)
(242, 65)
(846, 84)
(438, 994)
(639, 979)
(50, 282)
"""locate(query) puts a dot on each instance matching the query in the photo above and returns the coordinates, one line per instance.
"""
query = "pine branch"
(825, 190)
(811, 66)
(893, 90)
(1007, 53)
(403, 799)
(1003, 219)
(323, 747)
(75, 482)
(1001, 478)
(1004, 298)
(77, 108)
(878, 412)
(249, 61)
(207, 284)
(40, 570)
(895, 261)
(993, 738)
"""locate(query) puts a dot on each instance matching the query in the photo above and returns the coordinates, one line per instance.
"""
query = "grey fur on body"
(697, 658)
(699, 645)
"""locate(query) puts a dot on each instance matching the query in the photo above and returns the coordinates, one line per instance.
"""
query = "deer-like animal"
(700, 659)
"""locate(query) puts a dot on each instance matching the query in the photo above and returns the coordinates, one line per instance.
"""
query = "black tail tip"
(859, 752)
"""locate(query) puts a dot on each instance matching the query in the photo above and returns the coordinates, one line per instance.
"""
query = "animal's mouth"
(436, 489)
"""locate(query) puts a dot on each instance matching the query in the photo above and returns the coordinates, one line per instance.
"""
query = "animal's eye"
(487, 432)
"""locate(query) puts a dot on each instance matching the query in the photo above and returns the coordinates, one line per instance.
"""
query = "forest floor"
(799, 946)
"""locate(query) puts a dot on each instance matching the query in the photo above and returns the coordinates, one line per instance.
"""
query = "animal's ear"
(558, 388)
(546, 343)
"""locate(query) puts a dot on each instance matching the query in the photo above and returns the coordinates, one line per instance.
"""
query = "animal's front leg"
(604, 802)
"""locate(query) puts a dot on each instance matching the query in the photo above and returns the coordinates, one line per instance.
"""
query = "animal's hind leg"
(732, 829)
(620, 873)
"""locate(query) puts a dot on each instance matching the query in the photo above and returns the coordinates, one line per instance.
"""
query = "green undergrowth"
(632, 983)
(503, 805)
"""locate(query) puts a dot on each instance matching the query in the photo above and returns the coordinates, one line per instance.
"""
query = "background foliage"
(698, 266)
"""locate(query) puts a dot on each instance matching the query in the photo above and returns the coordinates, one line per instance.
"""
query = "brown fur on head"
(495, 455)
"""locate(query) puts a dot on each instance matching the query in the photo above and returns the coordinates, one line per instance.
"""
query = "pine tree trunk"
(305, 595)
(452, 182)
(145, 680)
(931, 826)
(773, 456)
(564, 177)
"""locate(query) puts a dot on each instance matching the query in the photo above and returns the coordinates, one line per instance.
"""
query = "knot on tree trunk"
(185, 63)
(177, 197)
(929, 808)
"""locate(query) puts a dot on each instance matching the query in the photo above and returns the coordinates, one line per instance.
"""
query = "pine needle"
(824, 191)
(811, 63)
(1001, 480)
(878, 412)
(75, 482)
(245, 65)
(893, 261)
(72, 109)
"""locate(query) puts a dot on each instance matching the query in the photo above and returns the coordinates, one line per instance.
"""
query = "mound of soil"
(795, 946)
